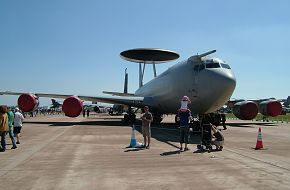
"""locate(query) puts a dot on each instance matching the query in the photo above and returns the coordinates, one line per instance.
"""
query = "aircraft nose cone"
(227, 80)
(220, 84)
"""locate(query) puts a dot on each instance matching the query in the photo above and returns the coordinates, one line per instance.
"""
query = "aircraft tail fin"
(125, 93)
(288, 101)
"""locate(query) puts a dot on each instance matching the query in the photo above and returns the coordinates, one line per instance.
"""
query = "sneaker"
(186, 149)
(180, 148)
(14, 147)
(17, 142)
(221, 148)
(147, 147)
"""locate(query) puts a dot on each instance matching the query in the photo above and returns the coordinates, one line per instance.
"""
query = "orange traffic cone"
(259, 144)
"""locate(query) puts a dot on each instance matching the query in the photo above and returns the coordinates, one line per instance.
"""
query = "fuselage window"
(212, 65)
(226, 66)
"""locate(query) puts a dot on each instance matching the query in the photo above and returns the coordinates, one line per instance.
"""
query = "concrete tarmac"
(57, 152)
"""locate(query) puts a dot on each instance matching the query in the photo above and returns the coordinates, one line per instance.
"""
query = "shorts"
(146, 131)
(17, 130)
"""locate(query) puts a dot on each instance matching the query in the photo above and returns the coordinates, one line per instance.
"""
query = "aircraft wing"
(134, 101)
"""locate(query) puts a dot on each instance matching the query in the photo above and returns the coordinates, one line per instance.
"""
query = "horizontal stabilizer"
(118, 93)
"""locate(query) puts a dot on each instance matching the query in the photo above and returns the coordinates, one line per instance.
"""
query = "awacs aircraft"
(208, 82)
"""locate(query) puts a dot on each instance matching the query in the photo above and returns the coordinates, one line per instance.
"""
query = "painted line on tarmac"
(259, 160)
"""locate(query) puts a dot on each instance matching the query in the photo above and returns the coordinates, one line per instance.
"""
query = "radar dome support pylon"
(148, 56)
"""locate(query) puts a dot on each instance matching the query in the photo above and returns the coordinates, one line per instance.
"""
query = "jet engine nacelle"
(72, 106)
(245, 110)
(27, 102)
(270, 108)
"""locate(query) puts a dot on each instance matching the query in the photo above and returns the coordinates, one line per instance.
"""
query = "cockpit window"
(226, 66)
(213, 65)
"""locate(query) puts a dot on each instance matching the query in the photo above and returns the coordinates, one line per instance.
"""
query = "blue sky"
(73, 46)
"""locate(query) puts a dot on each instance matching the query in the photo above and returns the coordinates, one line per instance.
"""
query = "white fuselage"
(208, 83)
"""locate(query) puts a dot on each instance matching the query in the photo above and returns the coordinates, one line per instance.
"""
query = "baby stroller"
(206, 137)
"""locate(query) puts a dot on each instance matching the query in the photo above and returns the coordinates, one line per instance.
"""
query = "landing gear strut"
(157, 118)
(130, 117)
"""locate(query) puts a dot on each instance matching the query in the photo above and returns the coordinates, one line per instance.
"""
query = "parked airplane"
(208, 82)
(55, 104)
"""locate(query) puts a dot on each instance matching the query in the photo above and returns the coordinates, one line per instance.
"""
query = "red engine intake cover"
(27, 102)
(245, 110)
(72, 106)
(270, 108)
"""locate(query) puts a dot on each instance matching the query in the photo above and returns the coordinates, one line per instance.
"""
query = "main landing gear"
(157, 118)
(130, 116)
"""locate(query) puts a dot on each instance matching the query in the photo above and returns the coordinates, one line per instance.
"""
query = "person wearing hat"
(184, 117)
(4, 127)
(18, 119)
(146, 122)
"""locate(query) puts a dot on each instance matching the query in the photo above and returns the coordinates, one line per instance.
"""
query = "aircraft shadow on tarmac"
(250, 124)
(71, 123)
(165, 132)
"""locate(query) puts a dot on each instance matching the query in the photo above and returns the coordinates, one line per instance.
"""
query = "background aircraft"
(55, 104)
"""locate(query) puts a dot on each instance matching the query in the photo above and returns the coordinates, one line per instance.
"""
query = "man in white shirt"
(18, 119)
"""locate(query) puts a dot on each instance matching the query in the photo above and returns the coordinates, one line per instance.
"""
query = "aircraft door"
(195, 86)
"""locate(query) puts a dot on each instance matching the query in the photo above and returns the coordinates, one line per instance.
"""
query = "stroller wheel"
(199, 147)
(209, 148)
